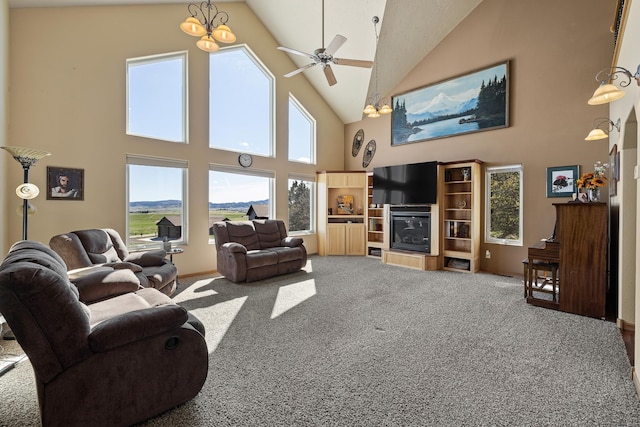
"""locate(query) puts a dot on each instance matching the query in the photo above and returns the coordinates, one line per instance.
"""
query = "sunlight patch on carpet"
(308, 267)
(224, 314)
(196, 290)
(291, 295)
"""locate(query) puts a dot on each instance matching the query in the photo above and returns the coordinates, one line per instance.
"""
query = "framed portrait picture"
(65, 183)
(561, 181)
(473, 102)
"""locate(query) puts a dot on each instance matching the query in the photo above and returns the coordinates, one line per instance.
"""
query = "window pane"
(301, 205)
(156, 205)
(232, 195)
(156, 97)
(240, 102)
(504, 219)
(301, 134)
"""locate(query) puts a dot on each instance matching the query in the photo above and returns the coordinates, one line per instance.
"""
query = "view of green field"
(143, 228)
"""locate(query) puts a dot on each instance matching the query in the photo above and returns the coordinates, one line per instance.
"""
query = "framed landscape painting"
(473, 102)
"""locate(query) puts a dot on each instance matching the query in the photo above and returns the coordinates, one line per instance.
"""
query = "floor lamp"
(26, 191)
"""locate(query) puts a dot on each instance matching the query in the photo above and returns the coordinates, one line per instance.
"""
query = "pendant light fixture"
(373, 108)
(202, 23)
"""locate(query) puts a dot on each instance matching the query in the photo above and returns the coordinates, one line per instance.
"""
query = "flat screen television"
(412, 184)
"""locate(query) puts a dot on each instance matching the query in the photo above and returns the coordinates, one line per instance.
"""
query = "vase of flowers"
(592, 181)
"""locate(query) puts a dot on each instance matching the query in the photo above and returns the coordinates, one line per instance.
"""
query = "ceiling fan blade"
(296, 52)
(335, 44)
(299, 70)
(353, 62)
(328, 73)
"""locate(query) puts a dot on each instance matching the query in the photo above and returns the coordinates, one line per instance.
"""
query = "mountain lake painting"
(470, 103)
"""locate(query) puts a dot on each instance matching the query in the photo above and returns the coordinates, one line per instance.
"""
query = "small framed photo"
(561, 181)
(345, 205)
(65, 183)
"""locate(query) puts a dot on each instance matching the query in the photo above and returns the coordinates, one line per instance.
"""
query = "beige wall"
(68, 97)
(628, 199)
(4, 105)
(555, 49)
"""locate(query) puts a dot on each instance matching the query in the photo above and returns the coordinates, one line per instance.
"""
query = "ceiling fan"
(324, 57)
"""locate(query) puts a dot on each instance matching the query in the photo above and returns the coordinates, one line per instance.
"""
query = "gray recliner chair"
(103, 247)
(113, 363)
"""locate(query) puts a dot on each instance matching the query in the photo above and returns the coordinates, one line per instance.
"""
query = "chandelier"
(373, 108)
(208, 23)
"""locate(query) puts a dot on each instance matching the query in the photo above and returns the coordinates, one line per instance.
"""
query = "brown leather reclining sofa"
(113, 363)
(258, 249)
(98, 257)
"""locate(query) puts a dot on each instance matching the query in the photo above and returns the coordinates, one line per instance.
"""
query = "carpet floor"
(353, 342)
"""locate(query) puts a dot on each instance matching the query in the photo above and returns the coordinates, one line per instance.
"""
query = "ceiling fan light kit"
(208, 23)
(324, 57)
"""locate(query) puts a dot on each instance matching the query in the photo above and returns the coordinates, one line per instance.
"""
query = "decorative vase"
(594, 194)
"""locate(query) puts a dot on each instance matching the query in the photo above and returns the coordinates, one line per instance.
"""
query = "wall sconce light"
(201, 24)
(608, 92)
(598, 133)
(26, 191)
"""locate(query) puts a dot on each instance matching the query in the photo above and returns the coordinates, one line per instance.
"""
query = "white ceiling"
(408, 30)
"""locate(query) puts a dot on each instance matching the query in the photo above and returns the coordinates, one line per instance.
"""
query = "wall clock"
(245, 160)
(358, 138)
(369, 152)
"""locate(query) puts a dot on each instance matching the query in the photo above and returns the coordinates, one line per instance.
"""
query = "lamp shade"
(223, 34)
(208, 44)
(374, 114)
(385, 109)
(596, 134)
(369, 109)
(193, 27)
(605, 93)
(27, 191)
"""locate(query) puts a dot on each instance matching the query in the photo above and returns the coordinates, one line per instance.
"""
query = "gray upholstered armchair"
(113, 363)
(103, 247)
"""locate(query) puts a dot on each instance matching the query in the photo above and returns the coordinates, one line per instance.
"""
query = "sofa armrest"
(135, 326)
(147, 258)
(234, 247)
(292, 242)
(104, 282)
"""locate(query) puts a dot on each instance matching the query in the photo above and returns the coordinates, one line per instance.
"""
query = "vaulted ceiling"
(408, 30)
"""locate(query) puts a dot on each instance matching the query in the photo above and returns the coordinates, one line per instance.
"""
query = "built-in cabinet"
(377, 223)
(460, 196)
(342, 200)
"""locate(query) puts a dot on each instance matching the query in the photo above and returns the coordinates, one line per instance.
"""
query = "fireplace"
(411, 228)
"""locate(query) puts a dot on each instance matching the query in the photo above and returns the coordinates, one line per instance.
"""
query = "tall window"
(156, 199)
(301, 204)
(235, 194)
(302, 133)
(241, 112)
(157, 97)
(504, 205)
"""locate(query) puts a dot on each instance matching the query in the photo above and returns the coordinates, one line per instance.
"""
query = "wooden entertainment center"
(365, 230)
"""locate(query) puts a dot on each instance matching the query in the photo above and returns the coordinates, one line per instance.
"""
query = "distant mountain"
(442, 105)
(238, 205)
(156, 205)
